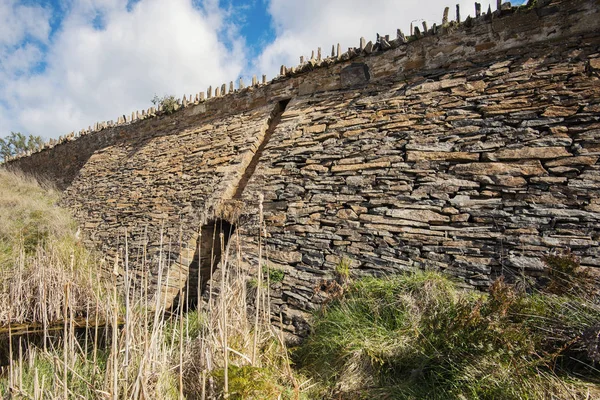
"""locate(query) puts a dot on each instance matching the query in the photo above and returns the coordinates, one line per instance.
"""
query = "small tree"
(18, 143)
(168, 103)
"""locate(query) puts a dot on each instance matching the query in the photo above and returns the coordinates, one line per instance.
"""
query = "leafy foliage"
(18, 143)
(276, 275)
(168, 103)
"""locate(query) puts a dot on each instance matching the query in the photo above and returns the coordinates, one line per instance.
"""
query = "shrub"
(248, 382)
(168, 104)
(276, 275)
(419, 336)
(562, 270)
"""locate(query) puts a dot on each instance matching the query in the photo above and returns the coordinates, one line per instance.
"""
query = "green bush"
(248, 382)
(276, 275)
(418, 336)
(271, 378)
(168, 104)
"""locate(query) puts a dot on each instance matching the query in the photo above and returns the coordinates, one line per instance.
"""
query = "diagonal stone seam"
(272, 123)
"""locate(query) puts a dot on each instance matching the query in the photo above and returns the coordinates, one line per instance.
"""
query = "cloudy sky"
(66, 64)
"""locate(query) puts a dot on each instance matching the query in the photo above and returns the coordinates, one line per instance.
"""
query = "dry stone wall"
(163, 186)
(470, 149)
(476, 171)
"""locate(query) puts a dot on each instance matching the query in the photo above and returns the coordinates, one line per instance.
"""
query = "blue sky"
(66, 64)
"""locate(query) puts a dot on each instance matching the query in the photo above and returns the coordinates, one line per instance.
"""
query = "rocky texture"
(472, 151)
(154, 185)
(477, 169)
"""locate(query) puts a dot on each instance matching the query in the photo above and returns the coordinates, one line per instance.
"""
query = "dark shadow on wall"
(206, 259)
(61, 164)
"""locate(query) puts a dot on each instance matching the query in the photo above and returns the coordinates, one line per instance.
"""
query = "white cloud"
(159, 47)
(18, 21)
(20, 60)
(303, 26)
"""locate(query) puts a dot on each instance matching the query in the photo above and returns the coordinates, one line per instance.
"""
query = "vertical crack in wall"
(274, 120)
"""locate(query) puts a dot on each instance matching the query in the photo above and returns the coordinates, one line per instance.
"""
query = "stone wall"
(471, 149)
(476, 170)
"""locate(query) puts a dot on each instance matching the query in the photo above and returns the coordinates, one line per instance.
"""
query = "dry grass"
(40, 256)
(115, 341)
(147, 352)
(28, 215)
(237, 354)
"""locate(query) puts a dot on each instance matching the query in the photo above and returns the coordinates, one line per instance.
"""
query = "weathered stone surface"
(315, 128)
(577, 160)
(531, 152)
(314, 259)
(378, 219)
(418, 215)
(441, 155)
(507, 180)
(285, 256)
(557, 111)
(357, 167)
(526, 263)
(444, 146)
(424, 88)
(356, 74)
(466, 201)
(532, 168)
(443, 182)
(346, 214)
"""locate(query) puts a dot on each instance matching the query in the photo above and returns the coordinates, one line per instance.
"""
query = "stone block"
(418, 215)
(416, 156)
(528, 168)
(355, 75)
(524, 153)
(315, 128)
(359, 167)
(568, 161)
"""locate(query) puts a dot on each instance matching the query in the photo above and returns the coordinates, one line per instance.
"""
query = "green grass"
(418, 336)
(85, 378)
(28, 217)
(342, 270)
